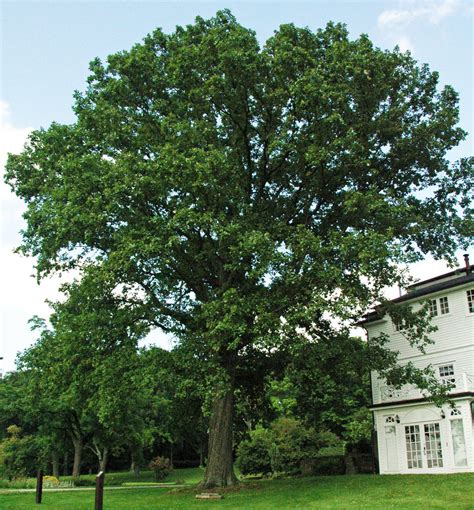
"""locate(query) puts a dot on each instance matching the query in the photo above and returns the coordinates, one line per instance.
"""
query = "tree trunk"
(136, 456)
(219, 469)
(103, 460)
(55, 463)
(135, 467)
(201, 455)
(171, 454)
(66, 460)
(76, 468)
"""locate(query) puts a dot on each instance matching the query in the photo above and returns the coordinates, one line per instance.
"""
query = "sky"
(45, 48)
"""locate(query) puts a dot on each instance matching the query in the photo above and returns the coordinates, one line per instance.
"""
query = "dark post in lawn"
(99, 491)
(39, 486)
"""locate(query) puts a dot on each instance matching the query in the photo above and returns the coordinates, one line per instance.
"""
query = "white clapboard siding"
(452, 342)
(398, 413)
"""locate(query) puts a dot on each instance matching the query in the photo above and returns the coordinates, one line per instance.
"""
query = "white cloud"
(405, 44)
(12, 140)
(432, 11)
(21, 296)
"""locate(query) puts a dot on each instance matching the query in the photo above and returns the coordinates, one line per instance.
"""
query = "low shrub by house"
(282, 448)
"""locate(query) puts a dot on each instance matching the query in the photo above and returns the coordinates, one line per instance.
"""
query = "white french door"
(423, 446)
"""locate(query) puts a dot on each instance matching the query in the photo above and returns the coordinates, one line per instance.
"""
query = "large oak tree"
(241, 191)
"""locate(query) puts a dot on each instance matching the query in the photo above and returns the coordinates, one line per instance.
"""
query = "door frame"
(424, 461)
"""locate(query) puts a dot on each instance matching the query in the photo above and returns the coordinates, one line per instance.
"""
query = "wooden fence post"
(39, 486)
(99, 491)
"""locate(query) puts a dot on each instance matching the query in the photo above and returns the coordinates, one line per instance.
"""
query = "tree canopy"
(241, 193)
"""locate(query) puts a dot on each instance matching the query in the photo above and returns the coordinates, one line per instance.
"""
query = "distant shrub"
(18, 454)
(186, 463)
(161, 467)
(283, 448)
(358, 431)
(331, 451)
(50, 481)
(18, 483)
(83, 482)
(334, 465)
(253, 455)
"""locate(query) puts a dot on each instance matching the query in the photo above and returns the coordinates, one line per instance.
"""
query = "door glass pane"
(433, 449)
(391, 448)
(459, 443)
(413, 444)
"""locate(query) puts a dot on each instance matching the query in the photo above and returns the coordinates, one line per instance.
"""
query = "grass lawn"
(408, 492)
(185, 475)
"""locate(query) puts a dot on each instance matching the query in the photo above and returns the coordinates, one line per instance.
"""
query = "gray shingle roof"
(430, 289)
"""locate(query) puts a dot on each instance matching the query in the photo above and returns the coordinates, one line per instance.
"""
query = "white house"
(413, 435)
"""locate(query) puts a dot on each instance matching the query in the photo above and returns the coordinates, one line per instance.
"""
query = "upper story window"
(443, 305)
(470, 300)
(432, 307)
(446, 373)
(438, 306)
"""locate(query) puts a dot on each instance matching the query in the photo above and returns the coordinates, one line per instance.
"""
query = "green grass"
(185, 475)
(358, 492)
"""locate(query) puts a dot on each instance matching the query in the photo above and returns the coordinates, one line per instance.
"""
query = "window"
(443, 305)
(432, 308)
(446, 373)
(459, 443)
(470, 300)
(433, 448)
(413, 445)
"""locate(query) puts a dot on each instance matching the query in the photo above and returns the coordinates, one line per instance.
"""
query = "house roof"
(459, 271)
(437, 286)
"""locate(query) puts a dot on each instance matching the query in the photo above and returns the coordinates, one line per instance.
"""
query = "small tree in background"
(161, 467)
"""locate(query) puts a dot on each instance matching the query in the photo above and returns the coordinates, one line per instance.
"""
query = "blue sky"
(46, 48)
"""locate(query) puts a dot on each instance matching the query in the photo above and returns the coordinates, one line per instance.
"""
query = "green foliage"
(161, 467)
(358, 429)
(281, 448)
(83, 482)
(237, 194)
(254, 455)
(330, 379)
(50, 481)
(328, 465)
(20, 454)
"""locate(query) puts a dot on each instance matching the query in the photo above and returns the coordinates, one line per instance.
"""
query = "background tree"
(82, 371)
(178, 405)
(330, 380)
(240, 191)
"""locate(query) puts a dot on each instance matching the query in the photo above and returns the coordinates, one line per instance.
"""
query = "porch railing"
(464, 382)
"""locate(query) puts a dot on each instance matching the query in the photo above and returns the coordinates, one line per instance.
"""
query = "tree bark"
(135, 468)
(219, 469)
(76, 468)
(201, 455)
(103, 460)
(65, 465)
(136, 456)
(55, 463)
